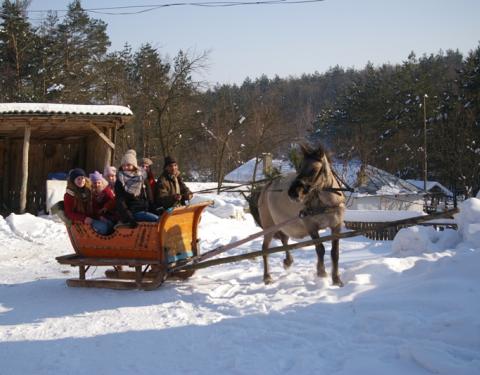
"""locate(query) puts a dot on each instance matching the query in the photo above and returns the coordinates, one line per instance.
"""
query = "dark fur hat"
(169, 160)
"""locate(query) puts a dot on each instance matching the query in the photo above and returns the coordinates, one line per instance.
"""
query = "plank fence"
(376, 230)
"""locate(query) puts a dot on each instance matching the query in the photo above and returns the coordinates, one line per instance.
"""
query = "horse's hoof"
(267, 279)
(337, 282)
(322, 273)
(287, 263)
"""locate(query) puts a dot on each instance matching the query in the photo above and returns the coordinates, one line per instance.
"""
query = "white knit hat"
(130, 157)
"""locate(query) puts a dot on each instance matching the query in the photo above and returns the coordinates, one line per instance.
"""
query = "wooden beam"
(23, 188)
(114, 139)
(6, 174)
(108, 153)
(103, 136)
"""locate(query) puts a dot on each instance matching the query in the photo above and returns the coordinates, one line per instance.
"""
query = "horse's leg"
(267, 279)
(320, 249)
(335, 254)
(287, 262)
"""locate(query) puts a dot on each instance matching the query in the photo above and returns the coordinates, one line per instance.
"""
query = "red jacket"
(77, 208)
(104, 200)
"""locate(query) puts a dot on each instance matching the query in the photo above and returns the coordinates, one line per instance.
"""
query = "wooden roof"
(58, 121)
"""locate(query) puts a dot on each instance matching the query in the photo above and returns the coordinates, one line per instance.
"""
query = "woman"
(78, 201)
(132, 192)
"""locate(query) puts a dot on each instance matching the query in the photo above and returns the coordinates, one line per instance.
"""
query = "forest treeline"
(375, 114)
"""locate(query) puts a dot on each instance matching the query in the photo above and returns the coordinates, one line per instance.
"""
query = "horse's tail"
(253, 204)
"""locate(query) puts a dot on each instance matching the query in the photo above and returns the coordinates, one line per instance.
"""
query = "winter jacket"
(78, 201)
(127, 204)
(103, 204)
(165, 191)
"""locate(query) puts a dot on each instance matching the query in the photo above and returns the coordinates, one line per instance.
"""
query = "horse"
(314, 195)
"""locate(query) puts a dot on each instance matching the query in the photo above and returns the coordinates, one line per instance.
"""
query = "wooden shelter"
(38, 139)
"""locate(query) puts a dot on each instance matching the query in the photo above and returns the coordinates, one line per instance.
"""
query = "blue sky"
(288, 40)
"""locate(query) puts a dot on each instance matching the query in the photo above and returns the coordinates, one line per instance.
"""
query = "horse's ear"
(303, 148)
(306, 149)
(319, 153)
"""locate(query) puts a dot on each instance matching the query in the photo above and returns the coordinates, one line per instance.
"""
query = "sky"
(290, 40)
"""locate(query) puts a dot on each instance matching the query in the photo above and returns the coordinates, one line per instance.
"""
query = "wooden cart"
(153, 249)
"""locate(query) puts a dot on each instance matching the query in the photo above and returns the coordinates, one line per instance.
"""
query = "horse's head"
(312, 167)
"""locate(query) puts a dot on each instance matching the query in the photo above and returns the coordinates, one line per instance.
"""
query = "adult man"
(170, 189)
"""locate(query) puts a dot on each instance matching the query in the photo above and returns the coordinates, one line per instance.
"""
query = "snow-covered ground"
(411, 306)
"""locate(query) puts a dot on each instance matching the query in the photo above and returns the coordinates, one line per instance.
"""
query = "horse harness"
(309, 211)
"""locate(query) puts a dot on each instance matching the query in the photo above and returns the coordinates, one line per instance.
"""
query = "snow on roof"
(49, 108)
(430, 185)
(244, 173)
(375, 181)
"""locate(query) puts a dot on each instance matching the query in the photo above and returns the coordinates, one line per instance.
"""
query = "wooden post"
(108, 154)
(114, 140)
(23, 188)
(267, 164)
(6, 174)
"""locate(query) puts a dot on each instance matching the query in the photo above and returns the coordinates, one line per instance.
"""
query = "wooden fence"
(374, 230)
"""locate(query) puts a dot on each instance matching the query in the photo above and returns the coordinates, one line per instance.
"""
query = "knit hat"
(110, 170)
(96, 176)
(169, 160)
(76, 172)
(147, 161)
(130, 157)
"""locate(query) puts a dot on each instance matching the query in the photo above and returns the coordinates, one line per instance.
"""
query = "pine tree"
(16, 45)
(82, 44)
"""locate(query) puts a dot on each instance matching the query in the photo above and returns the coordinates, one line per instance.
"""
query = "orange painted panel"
(175, 233)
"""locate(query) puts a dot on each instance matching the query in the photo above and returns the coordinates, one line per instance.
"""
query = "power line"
(152, 7)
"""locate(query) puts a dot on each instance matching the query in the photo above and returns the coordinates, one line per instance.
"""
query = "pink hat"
(96, 176)
(110, 170)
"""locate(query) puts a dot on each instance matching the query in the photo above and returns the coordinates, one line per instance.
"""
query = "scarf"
(132, 182)
(175, 183)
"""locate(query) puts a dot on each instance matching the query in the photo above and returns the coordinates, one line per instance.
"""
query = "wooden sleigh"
(154, 250)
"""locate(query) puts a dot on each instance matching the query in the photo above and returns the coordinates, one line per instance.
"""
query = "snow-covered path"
(412, 312)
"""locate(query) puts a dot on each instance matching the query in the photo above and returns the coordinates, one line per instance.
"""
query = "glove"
(132, 224)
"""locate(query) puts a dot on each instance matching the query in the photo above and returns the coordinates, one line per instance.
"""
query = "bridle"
(308, 187)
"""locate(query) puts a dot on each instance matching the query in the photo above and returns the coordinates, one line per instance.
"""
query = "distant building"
(438, 195)
(432, 187)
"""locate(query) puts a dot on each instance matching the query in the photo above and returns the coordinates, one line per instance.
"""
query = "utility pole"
(425, 96)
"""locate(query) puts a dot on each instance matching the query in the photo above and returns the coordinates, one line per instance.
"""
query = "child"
(103, 199)
(110, 174)
(146, 164)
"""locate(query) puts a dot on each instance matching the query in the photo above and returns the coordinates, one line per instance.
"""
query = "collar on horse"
(312, 211)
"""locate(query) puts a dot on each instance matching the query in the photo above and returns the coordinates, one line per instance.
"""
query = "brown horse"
(310, 194)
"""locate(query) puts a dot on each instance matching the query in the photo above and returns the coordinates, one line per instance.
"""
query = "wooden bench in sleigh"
(152, 249)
